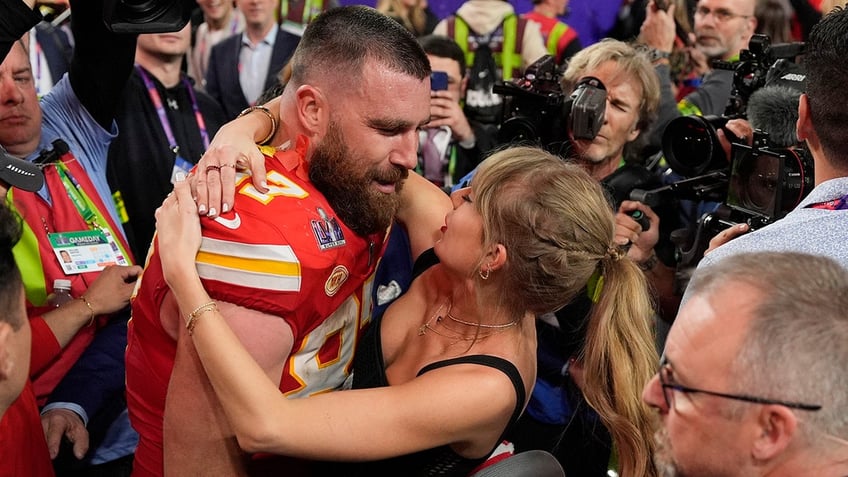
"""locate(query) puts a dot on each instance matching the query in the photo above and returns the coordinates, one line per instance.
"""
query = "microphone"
(774, 109)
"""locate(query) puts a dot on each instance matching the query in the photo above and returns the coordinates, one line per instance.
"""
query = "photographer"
(818, 223)
(450, 145)
(722, 29)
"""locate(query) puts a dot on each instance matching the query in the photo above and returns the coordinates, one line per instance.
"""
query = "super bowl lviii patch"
(328, 232)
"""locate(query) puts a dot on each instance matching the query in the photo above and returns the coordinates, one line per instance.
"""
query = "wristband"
(268, 113)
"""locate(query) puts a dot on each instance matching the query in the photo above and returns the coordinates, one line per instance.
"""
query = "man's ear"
(312, 111)
(803, 126)
(7, 363)
(634, 132)
(778, 426)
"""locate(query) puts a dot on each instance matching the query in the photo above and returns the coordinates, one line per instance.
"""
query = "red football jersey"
(284, 253)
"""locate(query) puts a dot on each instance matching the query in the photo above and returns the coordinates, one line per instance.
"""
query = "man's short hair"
(799, 311)
(824, 62)
(631, 60)
(444, 47)
(10, 276)
(340, 41)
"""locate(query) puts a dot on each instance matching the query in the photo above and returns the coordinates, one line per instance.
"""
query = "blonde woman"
(446, 370)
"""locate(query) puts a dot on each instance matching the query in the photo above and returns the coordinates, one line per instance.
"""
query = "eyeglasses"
(669, 388)
(720, 14)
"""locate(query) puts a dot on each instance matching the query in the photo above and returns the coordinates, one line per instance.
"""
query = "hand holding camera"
(637, 228)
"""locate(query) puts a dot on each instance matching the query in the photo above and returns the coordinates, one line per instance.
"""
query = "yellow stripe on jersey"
(264, 267)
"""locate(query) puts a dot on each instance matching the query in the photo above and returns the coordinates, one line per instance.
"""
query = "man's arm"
(16, 18)
(197, 434)
(102, 61)
(96, 378)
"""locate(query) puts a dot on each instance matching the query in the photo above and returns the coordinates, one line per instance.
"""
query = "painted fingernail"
(201, 209)
(225, 207)
(212, 212)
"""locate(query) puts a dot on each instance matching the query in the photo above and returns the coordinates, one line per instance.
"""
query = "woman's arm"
(422, 212)
(437, 408)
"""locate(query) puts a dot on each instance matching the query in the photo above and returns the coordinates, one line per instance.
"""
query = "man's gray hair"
(796, 347)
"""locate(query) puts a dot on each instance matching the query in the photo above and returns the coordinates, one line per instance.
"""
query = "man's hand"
(699, 64)
(726, 235)
(629, 232)
(111, 290)
(446, 111)
(58, 423)
(740, 128)
(658, 30)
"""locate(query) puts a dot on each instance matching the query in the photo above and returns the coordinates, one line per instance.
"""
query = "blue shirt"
(254, 61)
(63, 117)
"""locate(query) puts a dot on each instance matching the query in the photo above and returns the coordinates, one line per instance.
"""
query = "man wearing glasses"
(752, 381)
(723, 28)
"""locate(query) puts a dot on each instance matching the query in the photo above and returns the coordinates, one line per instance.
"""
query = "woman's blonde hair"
(557, 227)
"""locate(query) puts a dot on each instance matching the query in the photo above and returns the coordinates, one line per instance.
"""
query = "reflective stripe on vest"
(508, 58)
(553, 39)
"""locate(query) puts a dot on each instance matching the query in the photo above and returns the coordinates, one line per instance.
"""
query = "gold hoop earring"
(485, 275)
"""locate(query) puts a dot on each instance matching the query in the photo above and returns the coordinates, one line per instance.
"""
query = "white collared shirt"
(254, 61)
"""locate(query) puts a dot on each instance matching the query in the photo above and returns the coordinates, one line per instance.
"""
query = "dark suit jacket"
(222, 77)
(56, 47)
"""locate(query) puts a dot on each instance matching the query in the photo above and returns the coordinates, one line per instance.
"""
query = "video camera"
(762, 182)
(537, 111)
(147, 16)
(690, 143)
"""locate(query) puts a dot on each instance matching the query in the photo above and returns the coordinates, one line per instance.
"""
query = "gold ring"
(212, 168)
(227, 165)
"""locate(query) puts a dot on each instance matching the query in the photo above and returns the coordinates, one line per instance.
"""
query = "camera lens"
(691, 146)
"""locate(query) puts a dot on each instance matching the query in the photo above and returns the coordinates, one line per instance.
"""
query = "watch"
(656, 55)
(649, 263)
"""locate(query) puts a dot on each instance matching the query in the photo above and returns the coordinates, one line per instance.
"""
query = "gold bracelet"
(268, 113)
(192, 318)
(90, 308)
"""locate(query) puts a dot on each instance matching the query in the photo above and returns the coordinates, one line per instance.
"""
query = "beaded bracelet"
(90, 308)
(191, 320)
(270, 116)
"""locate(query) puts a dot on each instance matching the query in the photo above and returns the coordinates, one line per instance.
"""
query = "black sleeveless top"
(369, 372)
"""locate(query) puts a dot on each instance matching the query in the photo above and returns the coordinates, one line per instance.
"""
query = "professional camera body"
(762, 182)
(537, 111)
(147, 16)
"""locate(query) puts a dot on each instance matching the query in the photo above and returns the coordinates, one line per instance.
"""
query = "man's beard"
(663, 455)
(349, 188)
